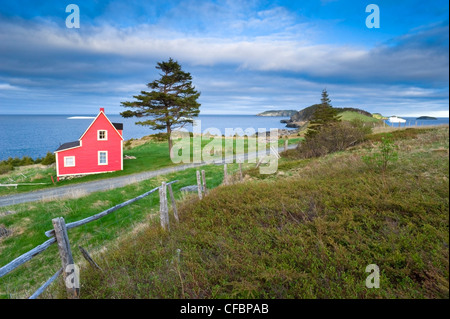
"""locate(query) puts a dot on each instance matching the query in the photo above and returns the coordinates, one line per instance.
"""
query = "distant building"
(98, 150)
(396, 119)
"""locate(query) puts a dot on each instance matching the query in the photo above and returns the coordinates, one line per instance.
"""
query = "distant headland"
(287, 113)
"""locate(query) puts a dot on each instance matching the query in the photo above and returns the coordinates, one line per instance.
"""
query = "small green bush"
(127, 145)
(386, 154)
(333, 138)
(26, 160)
(5, 168)
(160, 137)
(48, 159)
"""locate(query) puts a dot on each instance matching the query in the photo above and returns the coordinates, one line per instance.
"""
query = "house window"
(102, 135)
(69, 161)
(102, 158)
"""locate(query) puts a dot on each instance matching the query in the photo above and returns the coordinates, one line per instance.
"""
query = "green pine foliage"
(325, 100)
(9, 164)
(48, 159)
(5, 168)
(171, 103)
(323, 116)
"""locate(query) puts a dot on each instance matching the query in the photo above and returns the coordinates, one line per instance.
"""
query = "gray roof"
(118, 126)
(68, 145)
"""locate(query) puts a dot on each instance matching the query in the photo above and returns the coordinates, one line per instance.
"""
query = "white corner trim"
(121, 155)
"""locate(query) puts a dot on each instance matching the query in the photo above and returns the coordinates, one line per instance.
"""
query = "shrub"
(48, 159)
(160, 137)
(333, 138)
(387, 154)
(363, 126)
(13, 161)
(127, 145)
(26, 160)
(5, 167)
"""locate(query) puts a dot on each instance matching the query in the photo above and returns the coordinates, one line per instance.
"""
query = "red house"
(98, 150)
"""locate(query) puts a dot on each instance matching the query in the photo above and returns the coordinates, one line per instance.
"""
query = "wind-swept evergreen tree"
(324, 115)
(325, 100)
(171, 103)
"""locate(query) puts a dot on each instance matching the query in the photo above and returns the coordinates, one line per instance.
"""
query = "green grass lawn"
(151, 155)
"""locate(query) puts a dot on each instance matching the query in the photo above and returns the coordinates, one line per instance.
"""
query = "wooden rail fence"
(59, 235)
(59, 232)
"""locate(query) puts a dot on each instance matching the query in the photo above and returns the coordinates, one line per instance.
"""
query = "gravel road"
(78, 190)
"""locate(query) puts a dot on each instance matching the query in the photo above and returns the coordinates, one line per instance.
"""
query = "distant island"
(287, 113)
(426, 118)
(301, 118)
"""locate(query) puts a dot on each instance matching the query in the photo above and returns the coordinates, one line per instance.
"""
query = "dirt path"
(82, 189)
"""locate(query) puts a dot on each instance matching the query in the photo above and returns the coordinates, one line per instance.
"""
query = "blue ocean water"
(35, 135)
(412, 121)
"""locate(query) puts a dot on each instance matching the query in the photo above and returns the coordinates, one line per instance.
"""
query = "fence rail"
(52, 233)
(26, 257)
(46, 284)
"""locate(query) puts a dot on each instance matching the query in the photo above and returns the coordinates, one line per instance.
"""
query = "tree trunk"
(169, 132)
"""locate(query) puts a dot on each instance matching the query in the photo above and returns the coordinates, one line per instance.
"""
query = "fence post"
(163, 210)
(204, 182)
(199, 185)
(73, 292)
(174, 205)
(88, 258)
(285, 145)
(225, 174)
(259, 161)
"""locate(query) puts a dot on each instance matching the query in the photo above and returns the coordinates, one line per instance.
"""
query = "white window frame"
(65, 161)
(102, 139)
(98, 158)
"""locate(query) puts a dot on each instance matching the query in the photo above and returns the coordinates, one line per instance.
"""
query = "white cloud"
(146, 43)
(271, 68)
(9, 87)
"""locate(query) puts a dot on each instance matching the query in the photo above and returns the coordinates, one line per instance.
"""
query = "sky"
(245, 57)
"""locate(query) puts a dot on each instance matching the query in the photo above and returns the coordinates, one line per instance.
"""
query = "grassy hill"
(302, 118)
(349, 116)
(308, 232)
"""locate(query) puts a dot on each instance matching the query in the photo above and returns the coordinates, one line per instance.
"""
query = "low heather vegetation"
(308, 232)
